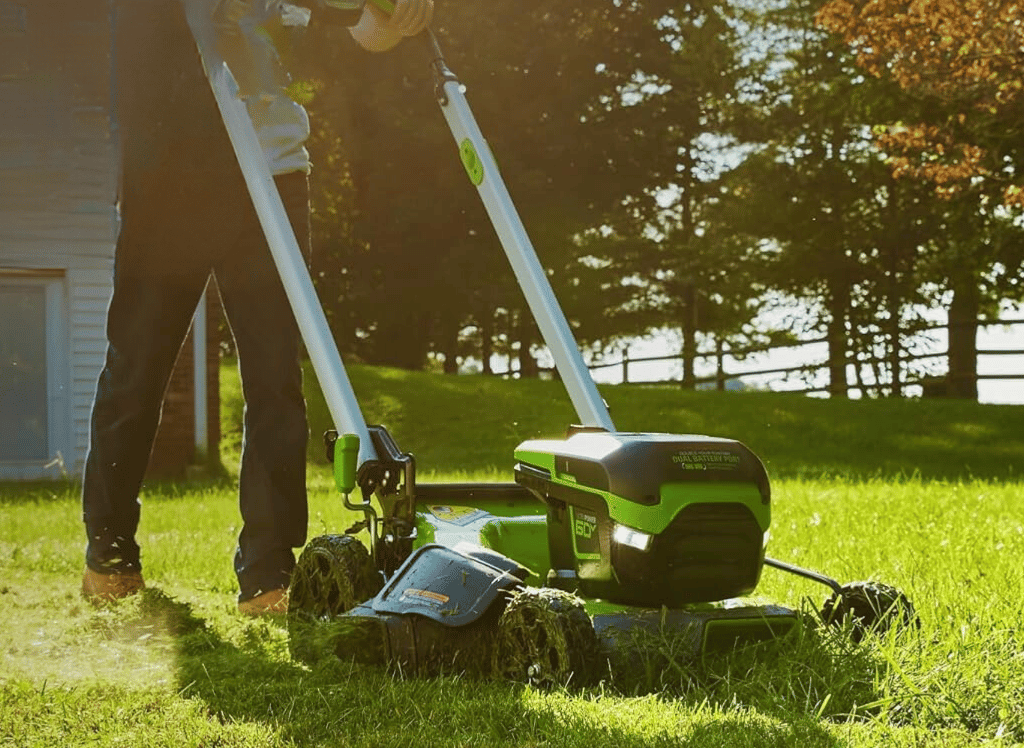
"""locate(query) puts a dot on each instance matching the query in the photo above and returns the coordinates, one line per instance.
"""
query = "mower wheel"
(545, 638)
(869, 606)
(334, 573)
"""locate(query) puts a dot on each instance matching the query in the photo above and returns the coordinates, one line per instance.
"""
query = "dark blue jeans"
(157, 283)
(186, 214)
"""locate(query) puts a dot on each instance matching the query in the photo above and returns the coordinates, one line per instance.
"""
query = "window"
(33, 376)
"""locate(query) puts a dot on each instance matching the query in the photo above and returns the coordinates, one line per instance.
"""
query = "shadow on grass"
(246, 676)
(812, 670)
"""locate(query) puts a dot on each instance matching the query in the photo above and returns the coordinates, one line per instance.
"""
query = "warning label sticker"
(427, 596)
(456, 515)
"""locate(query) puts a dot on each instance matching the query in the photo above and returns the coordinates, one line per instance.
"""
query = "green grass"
(921, 495)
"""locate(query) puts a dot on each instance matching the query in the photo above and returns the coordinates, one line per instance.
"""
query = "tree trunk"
(858, 379)
(446, 332)
(838, 341)
(486, 340)
(687, 226)
(719, 364)
(451, 359)
(895, 344)
(895, 353)
(527, 363)
(689, 330)
(876, 371)
(962, 382)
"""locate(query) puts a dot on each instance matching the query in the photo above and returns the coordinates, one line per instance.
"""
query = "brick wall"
(174, 449)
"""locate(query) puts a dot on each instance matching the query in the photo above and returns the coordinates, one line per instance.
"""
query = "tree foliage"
(967, 54)
(673, 268)
(590, 111)
(675, 162)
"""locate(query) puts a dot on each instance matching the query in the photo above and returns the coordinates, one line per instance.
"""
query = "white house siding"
(57, 188)
(90, 294)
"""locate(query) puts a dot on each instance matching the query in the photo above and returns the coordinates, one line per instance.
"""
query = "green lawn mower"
(601, 536)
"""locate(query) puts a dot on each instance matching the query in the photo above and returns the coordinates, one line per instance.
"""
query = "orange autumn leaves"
(967, 53)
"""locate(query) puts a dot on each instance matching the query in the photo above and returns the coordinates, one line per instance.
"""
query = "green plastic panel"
(346, 458)
(470, 160)
(511, 531)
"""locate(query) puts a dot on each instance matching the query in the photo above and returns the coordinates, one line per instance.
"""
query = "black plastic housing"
(709, 550)
(438, 612)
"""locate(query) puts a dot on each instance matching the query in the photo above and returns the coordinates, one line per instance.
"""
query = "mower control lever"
(805, 573)
(343, 452)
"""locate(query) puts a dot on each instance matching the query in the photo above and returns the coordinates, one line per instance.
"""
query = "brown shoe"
(274, 601)
(100, 588)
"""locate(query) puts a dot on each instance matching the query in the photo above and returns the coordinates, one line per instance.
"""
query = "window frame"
(59, 460)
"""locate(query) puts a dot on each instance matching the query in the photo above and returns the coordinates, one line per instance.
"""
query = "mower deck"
(508, 519)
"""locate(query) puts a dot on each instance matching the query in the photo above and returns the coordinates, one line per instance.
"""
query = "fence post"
(625, 366)
(719, 365)
(689, 334)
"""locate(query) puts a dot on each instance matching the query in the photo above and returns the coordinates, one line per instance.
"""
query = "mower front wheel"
(545, 638)
(869, 606)
(334, 573)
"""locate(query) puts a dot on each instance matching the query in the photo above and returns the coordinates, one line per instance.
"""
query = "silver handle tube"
(309, 315)
(554, 327)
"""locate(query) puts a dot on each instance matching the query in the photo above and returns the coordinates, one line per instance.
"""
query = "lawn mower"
(600, 534)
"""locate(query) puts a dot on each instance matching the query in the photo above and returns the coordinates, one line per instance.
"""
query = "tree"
(816, 201)
(963, 61)
(968, 54)
(658, 246)
(570, 96)
(411, 240)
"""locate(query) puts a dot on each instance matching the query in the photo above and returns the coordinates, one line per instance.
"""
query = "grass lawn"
(923, 495)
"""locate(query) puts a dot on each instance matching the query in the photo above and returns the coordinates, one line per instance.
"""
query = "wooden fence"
(810, 369)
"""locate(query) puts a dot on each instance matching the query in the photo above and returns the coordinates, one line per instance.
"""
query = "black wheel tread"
(334, 573)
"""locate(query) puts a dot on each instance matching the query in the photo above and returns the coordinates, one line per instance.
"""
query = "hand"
(410, 17)
(377, 31)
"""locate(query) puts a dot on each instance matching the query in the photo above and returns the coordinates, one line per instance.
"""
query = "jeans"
(155, 295)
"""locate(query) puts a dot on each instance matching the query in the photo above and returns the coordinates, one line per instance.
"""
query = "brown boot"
(100, 588)
(274, 601)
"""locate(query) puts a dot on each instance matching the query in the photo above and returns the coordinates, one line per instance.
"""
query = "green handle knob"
(346, 460)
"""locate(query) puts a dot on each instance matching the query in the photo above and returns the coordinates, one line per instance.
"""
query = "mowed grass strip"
(178, 666)
(472, 424)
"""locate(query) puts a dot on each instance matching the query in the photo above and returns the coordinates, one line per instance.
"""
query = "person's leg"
(170, 138)
(272, 481)
(148, 318)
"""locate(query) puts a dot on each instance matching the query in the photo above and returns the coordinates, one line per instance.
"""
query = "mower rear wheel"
(334, 573)
(869, 606)
(545, 638)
